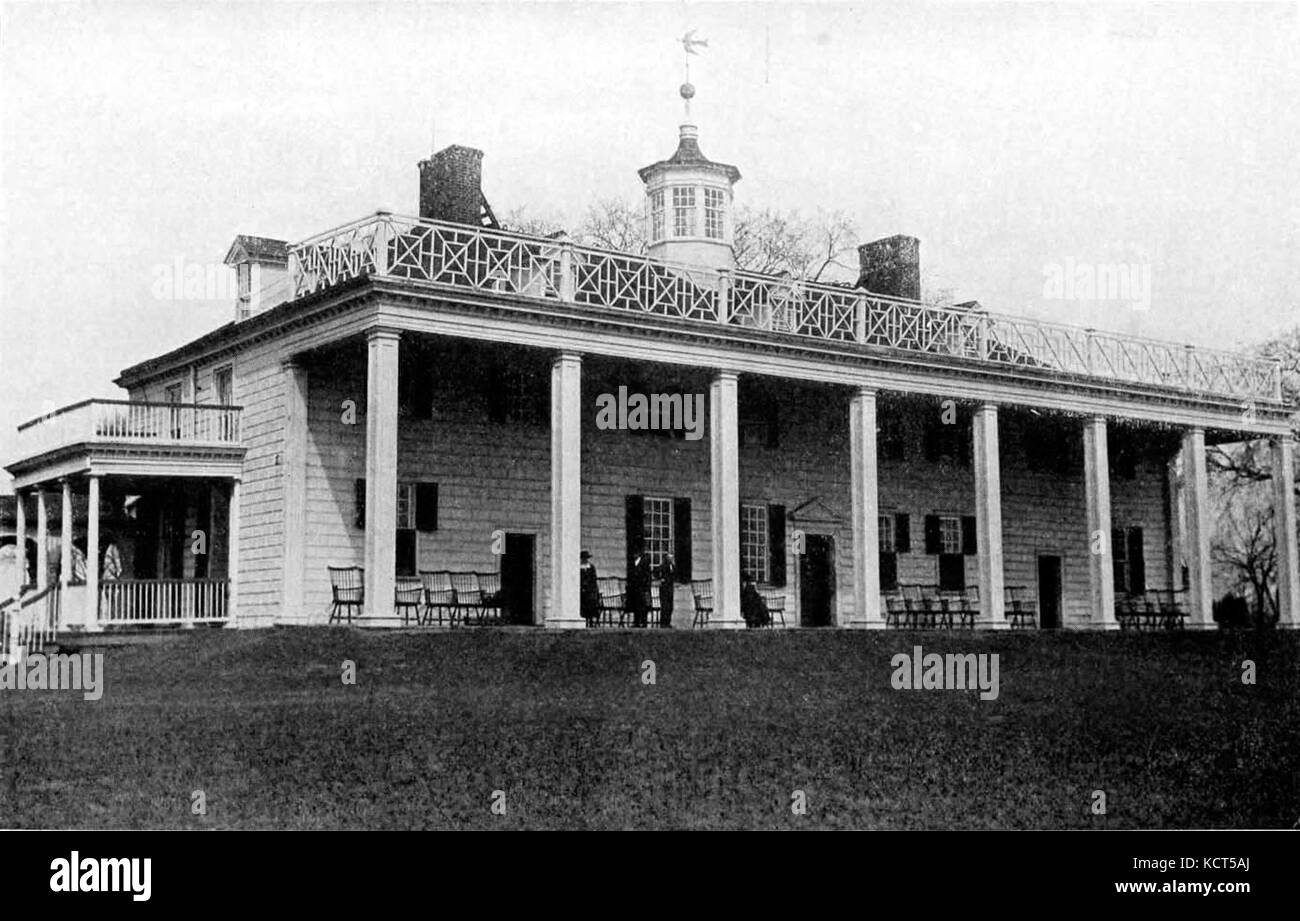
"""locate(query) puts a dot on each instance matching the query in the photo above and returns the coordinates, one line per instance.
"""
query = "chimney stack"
(891, 266)
(451, 186)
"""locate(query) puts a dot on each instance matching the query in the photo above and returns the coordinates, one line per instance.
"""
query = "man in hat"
(589, 591)
(667, 574)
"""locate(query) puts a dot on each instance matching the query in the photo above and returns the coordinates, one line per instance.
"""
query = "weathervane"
(689, 44)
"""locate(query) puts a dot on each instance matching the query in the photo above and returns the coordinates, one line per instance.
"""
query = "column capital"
(724, 374)
(987, 407)
(565, 358)
(861, 390)
(383, 333)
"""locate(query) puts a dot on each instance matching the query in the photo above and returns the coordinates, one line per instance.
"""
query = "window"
(1128, 558)
(951, 538)
(175, 417)
(715, 214)
(656, 216)
(684, 211)
(222, 382)
(417, 510)
(658, 529)
(949, 534)
(244, 272)
(886, 533)
(760, 421)
(890, 436)
(174, 393)
(657, 526)
(753, 542)
(515, 395)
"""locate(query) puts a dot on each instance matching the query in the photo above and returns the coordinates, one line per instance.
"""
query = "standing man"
(667, 580)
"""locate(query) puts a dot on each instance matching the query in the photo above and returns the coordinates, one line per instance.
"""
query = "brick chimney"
(451, 185)
(891, 266)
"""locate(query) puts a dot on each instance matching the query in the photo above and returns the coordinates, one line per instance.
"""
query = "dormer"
(262, 274)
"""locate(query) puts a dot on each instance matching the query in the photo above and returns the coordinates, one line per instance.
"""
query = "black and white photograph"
(650, 416)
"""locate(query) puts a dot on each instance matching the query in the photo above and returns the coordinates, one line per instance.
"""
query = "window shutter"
(426, 506)
(682, 538)
(497, 400)
(634, 524)
(1118, 553)
(773, 426)
(933, 544)
(359, 503)
(968, 545)
(902, 534)
(888, 571)
(1137, 567)
(406, 556)
(776, 544)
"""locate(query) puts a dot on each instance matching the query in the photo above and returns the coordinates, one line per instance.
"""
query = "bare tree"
(817, 249)
(613, 224)
(1244, 545)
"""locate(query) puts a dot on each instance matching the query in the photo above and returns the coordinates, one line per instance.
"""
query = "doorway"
(518, 577)
(1049, 592)
(817, 581)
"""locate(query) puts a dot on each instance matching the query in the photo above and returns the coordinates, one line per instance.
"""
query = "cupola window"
(684, 211)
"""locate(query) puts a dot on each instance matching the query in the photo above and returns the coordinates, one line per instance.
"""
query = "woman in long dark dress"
(589, 591)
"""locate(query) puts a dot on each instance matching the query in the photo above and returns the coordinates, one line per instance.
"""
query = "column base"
(992, 625)
(1200, 626)
(564, 623)
(863, 625)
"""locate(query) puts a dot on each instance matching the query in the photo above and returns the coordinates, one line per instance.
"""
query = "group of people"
(641, 576)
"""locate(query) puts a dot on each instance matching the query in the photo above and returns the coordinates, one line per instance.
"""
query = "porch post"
(1284, 519)
(232, 544)
(294, 477)
(566, 490)
(20, 528)
(42, 539)
(1196, 492)
(988, 516)
(92, 553)
(381, 472)
(1096, 488)
(866, 511)
(65, 536)
(725, 497)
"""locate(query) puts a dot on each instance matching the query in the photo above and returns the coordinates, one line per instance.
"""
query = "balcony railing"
(118, 421)
(463, 256)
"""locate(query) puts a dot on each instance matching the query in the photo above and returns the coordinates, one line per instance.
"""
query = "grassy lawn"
(562, 723)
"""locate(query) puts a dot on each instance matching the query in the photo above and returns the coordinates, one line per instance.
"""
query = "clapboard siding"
(495, 476)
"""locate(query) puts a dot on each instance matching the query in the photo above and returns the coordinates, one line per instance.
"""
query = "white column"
(232, 543)
(988, 517)
(381, 472)
(1284, 517)
(566, 491)
(1096, 498)
(20, 532)
(1199, 524)
(293, 473)
(42, 539)
(724, 439)
(92, 554)
(65, 535)
(866, 511)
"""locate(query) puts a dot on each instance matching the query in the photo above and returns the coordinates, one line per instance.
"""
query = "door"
(817, 581)
(1049, 592)
(518, 574)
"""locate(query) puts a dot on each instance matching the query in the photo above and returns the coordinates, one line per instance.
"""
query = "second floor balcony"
(138, 438)
(481, 259)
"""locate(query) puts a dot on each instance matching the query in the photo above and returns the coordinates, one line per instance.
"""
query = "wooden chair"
(348, 586)
(914, 605)
(439, 597)
(775, 601)
(490, 597)
(1021, 613)
(702, 598)
(611, 600)
(894, 607)
(408, 597)
(1126, 613)
(469, 597)
(1175, 609)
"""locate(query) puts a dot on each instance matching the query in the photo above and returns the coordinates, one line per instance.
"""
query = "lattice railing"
(470, 257)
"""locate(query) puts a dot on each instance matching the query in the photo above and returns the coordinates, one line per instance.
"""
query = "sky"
(1020, 143)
